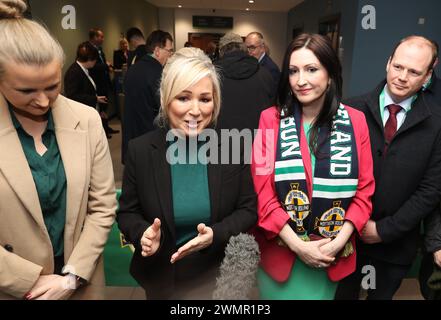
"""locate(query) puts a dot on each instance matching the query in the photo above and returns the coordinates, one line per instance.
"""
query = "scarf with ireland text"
(335, 176)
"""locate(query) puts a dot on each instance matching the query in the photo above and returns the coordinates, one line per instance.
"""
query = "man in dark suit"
(405, 133)
(136, 40)
(141, 88)
(78, 84)
(100, 73)
(256, 48)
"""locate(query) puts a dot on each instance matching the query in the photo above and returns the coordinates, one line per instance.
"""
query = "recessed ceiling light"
(251, 1)
(247, 9)
(179, 6)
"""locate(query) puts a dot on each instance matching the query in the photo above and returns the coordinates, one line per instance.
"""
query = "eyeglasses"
(170, 51)
(252, 48)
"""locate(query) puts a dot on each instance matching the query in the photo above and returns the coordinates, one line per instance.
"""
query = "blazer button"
(379, 152)
(9, 248)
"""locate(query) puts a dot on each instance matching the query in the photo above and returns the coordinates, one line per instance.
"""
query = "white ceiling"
(258, 5)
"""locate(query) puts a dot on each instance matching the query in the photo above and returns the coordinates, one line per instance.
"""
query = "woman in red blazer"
(312, 171)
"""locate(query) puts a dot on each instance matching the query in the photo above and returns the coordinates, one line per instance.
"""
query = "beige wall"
(112, 16)
(272, 25)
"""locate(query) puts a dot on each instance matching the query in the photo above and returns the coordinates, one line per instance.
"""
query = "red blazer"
(276, 260)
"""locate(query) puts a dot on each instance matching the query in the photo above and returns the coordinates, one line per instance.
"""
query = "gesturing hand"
(201, 241)
(151, 239)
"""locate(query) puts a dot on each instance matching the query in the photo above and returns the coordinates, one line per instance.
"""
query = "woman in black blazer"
(180, 216)
(78, 85)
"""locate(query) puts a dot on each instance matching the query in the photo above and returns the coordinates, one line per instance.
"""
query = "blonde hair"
(183, 70)
(24, 41)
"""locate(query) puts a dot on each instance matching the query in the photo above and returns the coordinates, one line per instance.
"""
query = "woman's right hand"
(151, 239)
(310, 254)
(101, 99)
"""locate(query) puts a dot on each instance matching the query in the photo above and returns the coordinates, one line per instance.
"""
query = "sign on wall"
(212, 22)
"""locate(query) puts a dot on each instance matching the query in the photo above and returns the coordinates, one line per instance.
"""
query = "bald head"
(410, 66)
(422, 44)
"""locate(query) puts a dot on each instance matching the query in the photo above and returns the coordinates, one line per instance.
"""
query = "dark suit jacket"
(119, 59)
(407, 178)
(272, 67)
(139, 52)
(141, 88)
(147, 194)
(78, 87)
(100, 74)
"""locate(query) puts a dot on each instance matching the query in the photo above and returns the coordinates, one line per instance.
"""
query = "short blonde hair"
(183, 70)
(24, 41)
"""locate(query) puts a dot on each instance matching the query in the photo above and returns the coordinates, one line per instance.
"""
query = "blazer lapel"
(15, 167)
(374, 104)
(214, 172)
(72, 143)
(162, 176)
(418, 113)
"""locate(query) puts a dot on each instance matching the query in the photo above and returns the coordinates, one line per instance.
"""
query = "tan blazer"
(25, 247)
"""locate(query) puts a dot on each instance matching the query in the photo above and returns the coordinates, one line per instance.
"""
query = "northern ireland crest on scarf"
(335, 180)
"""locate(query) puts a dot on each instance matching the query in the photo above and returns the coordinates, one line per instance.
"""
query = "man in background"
(141, 87)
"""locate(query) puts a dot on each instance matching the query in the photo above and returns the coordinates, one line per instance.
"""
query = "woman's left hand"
(52, 287)
(201, 241)
(332, 248)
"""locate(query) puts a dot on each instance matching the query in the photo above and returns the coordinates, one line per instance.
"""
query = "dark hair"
(187, 44)
(322, 48)
(134, 32)
(94, 33)
(157, 38)
(87, 52)
(432, 44)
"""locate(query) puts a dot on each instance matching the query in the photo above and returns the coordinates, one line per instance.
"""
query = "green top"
(304, 282)
(49, 178)
(306, 129)
(191, 198)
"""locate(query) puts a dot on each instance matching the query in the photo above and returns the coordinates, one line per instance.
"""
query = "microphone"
(238, 269)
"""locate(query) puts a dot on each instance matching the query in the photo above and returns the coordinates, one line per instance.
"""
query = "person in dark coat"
(256, 48)
(78, 84)
(246, 86)
(136, 40)
(178, 215)
(100, 74)
(141, 87)
(405, 133)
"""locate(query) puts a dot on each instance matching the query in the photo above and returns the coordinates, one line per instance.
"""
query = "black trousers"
(388, 278)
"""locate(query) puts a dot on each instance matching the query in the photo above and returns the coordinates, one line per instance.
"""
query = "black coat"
(119, 59)
(147, 194)
(407, 178)
(136, 54)
(100, 74)
(78, 87)
(272, 67)
(246, 91)
(141, 88)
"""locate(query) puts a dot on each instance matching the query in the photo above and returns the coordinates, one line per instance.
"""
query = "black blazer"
(78, 87)
(147, 194)
(119, 59)
(407, 178)
(272, 67)
(141, 90)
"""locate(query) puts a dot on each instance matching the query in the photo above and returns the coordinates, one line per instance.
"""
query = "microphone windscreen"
(238, 269)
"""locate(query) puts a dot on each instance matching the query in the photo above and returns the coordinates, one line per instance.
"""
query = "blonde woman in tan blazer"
(57, 194)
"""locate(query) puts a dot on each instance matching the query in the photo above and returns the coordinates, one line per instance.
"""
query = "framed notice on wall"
(212, 22)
